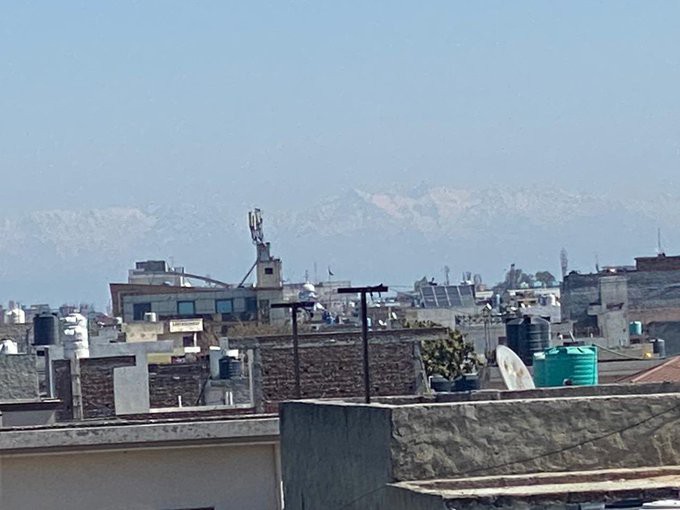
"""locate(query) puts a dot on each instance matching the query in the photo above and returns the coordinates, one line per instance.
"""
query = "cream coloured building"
(190, 464)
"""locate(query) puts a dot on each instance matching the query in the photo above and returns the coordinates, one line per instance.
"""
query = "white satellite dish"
(515, 373)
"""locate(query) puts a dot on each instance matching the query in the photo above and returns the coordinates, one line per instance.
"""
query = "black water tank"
(512, 333)
(467, 382)
(659, 346)
(440, 384)
(46, 329)
(225, 367)
(527, 336)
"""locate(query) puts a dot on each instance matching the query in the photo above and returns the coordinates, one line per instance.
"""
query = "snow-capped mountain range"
(394, 237)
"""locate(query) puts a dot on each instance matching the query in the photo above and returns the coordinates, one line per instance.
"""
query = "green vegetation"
(450, 358)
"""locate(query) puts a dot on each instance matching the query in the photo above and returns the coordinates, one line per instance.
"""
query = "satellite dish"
(515, 373)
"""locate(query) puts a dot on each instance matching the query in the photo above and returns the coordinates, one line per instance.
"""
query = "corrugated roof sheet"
(669, 371)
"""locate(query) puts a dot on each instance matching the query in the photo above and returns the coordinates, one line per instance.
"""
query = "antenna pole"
(294, 307)
(364, 328)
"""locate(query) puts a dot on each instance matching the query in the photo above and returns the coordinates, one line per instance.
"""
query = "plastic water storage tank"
(659, 347)
(527, 336)
(45, 329)
(539, 370)
(635, 328)
(8, 346)
(571, 365)
(76, 336)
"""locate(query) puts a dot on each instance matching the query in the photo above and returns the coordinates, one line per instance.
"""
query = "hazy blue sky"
(194, 99)
(149, 105)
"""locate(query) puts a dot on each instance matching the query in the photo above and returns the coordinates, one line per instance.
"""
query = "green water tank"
(539, 370)
(571, 365)
(635, 328)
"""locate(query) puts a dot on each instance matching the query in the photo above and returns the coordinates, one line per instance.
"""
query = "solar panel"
(447, 296)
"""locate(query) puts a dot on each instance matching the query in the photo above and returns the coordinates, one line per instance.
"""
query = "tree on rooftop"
(450, 357)
(546, 278)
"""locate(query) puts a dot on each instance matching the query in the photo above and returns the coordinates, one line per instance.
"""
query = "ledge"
(115, 435)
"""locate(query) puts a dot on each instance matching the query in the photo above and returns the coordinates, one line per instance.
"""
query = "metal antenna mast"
(364, 328)
(257, 235)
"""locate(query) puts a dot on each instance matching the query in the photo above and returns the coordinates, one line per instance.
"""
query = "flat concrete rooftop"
(609, 486)
(115, 434)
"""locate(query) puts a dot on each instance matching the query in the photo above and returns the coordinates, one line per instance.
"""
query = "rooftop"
(668, 371)
(112, 434)
(611, 486)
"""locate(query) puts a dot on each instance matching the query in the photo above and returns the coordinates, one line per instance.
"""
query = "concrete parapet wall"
(525, 436)
(337, 454)
(18, 377)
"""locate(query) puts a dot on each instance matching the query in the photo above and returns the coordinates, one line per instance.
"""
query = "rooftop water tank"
(46, 329)
(635, 328)
(76, 337)
(15, 316)
(571, 366)
(527, 336)
(150, 317)
(8, 346)
(539, 370)
(659, 347)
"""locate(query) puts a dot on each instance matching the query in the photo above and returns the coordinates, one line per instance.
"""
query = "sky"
(132, 103)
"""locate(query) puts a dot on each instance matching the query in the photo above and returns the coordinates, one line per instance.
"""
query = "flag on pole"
(330, 273)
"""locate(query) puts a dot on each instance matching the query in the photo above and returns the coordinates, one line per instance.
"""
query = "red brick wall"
(166, 382)
(336, 371)
(661, 263)
(96, 382)
(96, 377)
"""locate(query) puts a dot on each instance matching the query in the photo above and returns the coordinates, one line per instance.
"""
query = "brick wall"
(337, 371)
(96, 375)
(167, 382)
(661, 263)
(61, 372)
(96, 381)
(331, 365)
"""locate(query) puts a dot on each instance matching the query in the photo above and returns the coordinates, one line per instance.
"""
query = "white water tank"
(76, 338)
(214, 355)
(150, 317)
(15, 316)
(8, 346)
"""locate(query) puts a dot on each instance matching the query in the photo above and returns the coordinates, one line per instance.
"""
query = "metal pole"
(364, 328)
(364, 334)
(294, 307)
(296, 352)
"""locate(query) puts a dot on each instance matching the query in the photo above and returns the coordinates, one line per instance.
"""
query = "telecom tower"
(268, 269)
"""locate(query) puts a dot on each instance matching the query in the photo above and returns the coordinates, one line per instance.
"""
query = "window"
(188, 341)
(186, 308)
(251, 304)
(268, 270)
(139, 309)
(224, 305)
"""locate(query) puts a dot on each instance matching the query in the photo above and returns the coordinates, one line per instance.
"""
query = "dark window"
(268, 270)
(188, 341)
(224, 305)
(251, 304)
(139, 309)
(186, 308)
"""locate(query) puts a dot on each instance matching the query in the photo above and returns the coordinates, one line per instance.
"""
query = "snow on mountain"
(389, 236)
